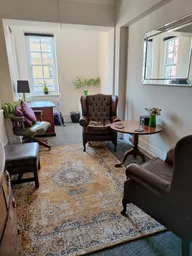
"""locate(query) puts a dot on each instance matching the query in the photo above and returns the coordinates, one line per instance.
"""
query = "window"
(147, 59)
(42, 63)
(171, 56)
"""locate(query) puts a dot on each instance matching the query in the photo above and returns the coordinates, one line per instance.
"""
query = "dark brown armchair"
(163, 189)
(98, 112)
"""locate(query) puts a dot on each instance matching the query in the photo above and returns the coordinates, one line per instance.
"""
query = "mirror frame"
(178, 81)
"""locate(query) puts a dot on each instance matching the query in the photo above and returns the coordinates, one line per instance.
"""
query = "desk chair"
(20, 128)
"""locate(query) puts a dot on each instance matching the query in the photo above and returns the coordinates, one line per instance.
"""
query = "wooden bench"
(23, 158)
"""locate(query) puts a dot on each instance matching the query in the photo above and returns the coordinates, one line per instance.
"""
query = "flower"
(154, 111)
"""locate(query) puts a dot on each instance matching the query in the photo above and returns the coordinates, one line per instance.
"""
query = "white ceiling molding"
(107, 2)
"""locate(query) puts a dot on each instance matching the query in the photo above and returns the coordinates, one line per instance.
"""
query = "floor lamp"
(23, 87)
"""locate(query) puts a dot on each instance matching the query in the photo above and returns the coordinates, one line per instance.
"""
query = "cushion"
(28, 112)
(99, 127)
(159, 168)
(19, 112)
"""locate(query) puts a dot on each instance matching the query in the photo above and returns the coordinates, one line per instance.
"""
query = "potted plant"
(45, 88)
(85, 83)
(153, 112)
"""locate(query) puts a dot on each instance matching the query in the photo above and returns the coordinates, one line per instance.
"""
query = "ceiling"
(108, 2)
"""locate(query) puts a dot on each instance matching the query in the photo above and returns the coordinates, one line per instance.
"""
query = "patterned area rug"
(76, 209)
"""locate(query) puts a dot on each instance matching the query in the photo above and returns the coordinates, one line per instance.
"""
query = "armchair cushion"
(170, 156)
(99, 127)
(159, 168)
(39, 128)
(19, 112)
(146, 178)
(28, 112)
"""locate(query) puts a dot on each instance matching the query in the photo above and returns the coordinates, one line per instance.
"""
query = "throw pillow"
(28, 112)
(19, 112)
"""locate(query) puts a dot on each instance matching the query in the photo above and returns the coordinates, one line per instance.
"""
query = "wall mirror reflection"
(168, 54)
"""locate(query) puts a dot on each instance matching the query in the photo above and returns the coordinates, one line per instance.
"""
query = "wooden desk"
(130, 127)
(47, 110)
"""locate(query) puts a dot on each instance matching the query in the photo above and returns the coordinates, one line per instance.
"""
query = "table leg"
(134, 151)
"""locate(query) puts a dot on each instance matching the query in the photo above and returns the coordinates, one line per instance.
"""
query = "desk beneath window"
(47, 110)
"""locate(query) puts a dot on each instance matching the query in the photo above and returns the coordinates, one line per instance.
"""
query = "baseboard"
(150, 150)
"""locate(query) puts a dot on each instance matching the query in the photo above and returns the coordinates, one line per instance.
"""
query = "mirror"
(167, 54)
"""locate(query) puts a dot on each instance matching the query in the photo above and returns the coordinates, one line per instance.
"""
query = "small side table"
(130, 127)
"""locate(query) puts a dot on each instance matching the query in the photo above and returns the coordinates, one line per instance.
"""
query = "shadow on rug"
(76, 209)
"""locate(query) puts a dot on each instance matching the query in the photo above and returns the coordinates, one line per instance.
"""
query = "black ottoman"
(23, 158)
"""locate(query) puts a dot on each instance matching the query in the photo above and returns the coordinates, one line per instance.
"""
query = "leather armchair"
(98, 112)
(163, 190)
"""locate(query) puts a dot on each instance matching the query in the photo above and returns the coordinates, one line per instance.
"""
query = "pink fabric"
(28, 112)
(19, 112)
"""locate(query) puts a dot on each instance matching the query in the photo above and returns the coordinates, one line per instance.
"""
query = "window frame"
(53, 65)
(166, 56)
(147, 58)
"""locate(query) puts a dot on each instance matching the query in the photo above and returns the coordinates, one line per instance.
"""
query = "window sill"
(45, 95)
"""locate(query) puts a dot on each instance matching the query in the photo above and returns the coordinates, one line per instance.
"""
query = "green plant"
(85, 83)
(45, 88)
(154, 111)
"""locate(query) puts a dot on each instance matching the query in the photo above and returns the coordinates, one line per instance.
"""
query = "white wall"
(100, 13)
(106, 61)
(3, 136)
(129, 10)
(174, 102)
(77, 53)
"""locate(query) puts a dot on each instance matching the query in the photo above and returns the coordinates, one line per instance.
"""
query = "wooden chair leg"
(36, 179)
(20, 176)
(84, 146)
(39, 165)
(115, 145)
(185, 248)
(124, 203)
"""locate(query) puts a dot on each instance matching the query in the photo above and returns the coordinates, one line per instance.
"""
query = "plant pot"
(85, 92)
(152, 121)
(46, 92)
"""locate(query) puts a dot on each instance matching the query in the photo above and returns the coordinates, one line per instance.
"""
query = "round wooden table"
(130, 127)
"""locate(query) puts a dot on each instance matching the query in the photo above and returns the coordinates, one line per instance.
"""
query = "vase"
(85, 92)
(152, 121)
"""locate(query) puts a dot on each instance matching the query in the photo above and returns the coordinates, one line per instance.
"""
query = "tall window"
(171, 56)
(42, 62)
(147, 59)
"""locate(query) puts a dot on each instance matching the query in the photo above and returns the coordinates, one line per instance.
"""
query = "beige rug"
(76, 209)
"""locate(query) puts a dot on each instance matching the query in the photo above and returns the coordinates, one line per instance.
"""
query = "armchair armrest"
(170, 156)
(18, 118)
(18, 122)
(83, 121)
(146, 178)
(115, 119)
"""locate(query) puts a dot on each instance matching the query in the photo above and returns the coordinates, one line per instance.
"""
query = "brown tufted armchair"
(163, 190)
(98, 112)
